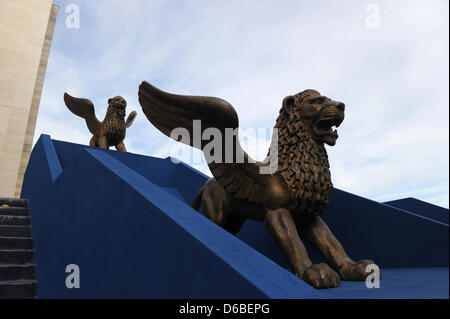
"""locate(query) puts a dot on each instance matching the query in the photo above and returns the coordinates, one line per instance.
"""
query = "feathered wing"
(130, 119)
(169, 111)
(85, 109)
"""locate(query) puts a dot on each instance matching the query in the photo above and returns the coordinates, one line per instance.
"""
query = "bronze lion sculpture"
(110, 132)
(290, 199)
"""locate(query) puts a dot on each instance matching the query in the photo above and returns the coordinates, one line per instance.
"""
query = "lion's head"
(117, 105)
(318, 113)
(117, 102)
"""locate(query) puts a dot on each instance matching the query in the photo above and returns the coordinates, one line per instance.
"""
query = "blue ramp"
(126, 221)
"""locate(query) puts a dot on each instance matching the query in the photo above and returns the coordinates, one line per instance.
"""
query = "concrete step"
(15, 231)
(15, 220)
(18, 289)
(14, 202)
(17, 271)
(14, 211)
(16, 256)
(16, 243)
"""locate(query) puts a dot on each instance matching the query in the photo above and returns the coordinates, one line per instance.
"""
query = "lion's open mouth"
(325, 129)
(325, 126)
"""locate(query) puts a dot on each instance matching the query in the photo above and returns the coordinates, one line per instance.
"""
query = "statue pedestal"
(125, 220)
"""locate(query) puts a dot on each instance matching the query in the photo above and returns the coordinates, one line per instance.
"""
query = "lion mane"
(301, 160)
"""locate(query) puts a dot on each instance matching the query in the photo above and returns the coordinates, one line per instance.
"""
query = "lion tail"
(198, 199)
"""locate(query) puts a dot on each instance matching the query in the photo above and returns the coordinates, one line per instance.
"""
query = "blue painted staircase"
(125, 220)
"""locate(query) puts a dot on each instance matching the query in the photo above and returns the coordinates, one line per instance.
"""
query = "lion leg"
(103, 142)
(281, 226)
(121, 147)
(217, 207)
(321, 237)
(93, 141)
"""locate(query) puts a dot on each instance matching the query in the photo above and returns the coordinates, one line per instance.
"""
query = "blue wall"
(422, 208)
(126, 220)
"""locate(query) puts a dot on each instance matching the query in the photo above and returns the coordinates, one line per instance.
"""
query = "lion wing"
(169, 111)
(130, 119)
(85, 109)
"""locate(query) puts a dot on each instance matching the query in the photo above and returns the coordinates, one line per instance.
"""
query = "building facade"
(26, 32)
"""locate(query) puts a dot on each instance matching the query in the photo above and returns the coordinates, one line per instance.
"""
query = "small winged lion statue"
(110, 132)
(290, 198)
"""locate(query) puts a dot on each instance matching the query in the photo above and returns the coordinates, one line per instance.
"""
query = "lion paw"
(356, 271)
(321, 276)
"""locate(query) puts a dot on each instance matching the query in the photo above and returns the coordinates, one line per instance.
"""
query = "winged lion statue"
(288, 200)
(109, 132)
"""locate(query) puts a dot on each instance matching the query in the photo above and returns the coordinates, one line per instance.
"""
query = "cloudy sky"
(386, 60)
